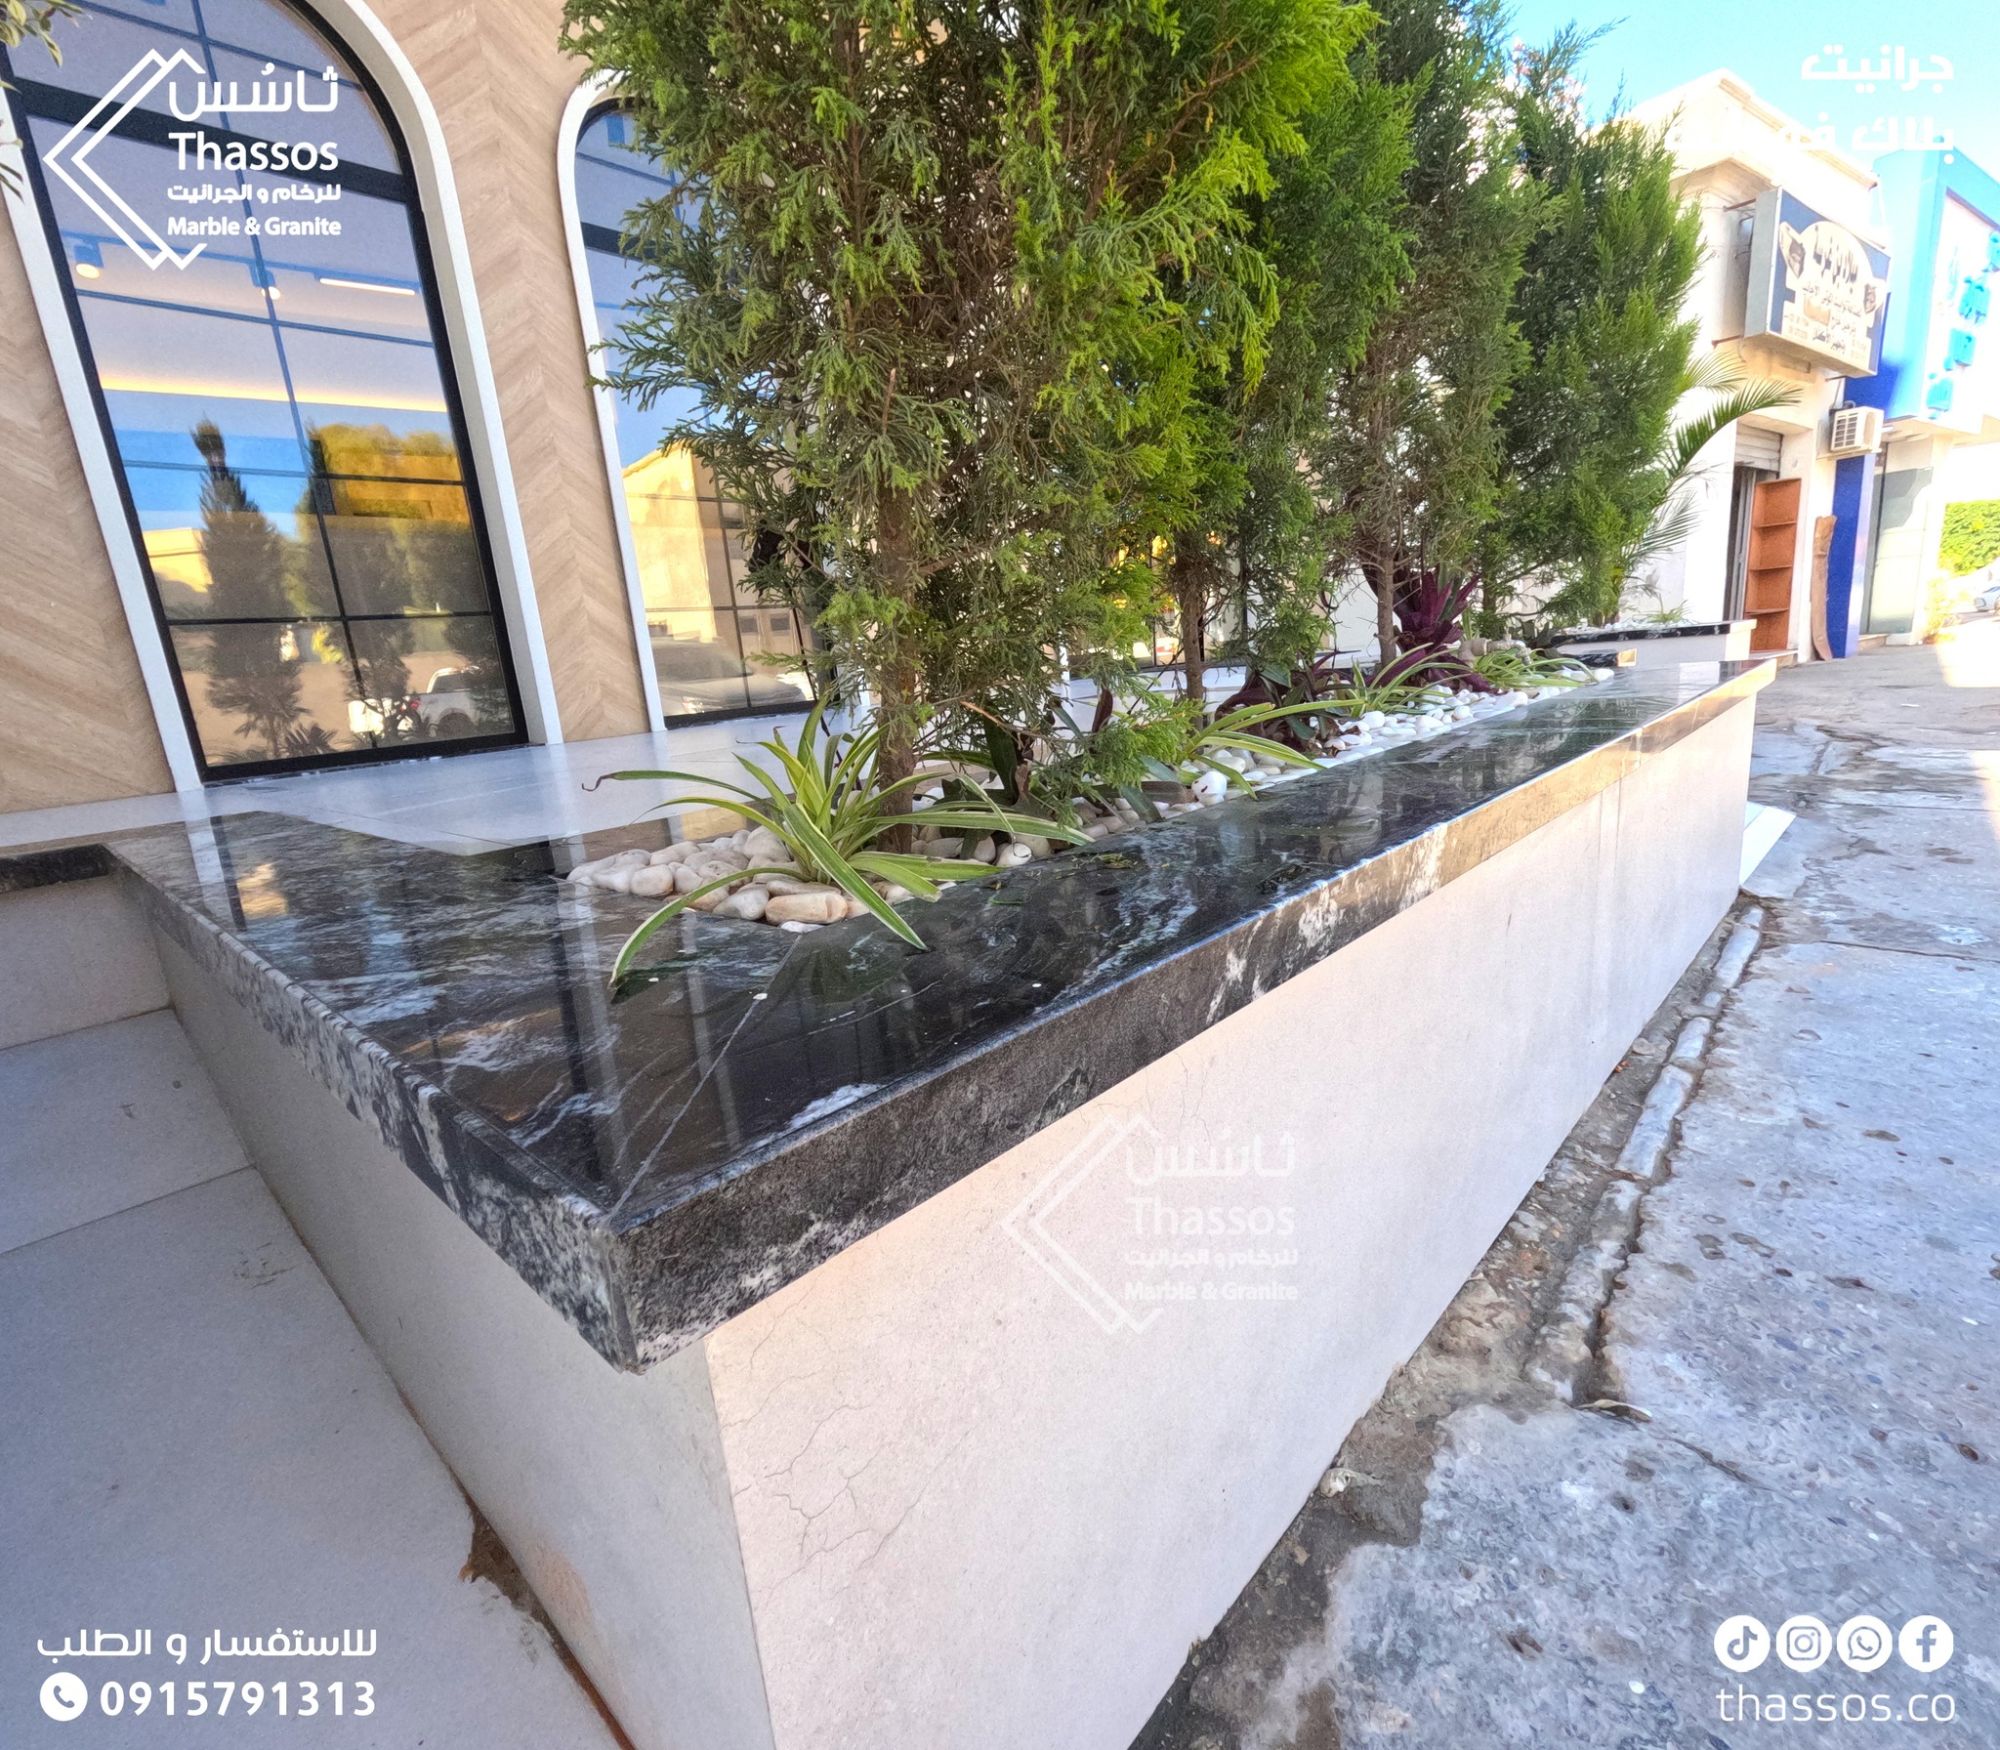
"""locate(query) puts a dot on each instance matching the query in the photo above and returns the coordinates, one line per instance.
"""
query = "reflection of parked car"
(1985, 588)
(382, 720)
(696, 674)
(447, 709)
(449, 706)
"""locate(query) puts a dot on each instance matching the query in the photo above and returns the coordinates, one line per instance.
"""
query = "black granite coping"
(47, 865)
(1667, 629)
(655, 1164)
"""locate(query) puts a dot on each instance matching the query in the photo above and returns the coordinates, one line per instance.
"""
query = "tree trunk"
(896, 675)
(1190, 575)
(1381, 575)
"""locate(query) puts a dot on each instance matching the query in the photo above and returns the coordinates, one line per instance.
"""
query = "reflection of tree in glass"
(404, 546)
(378, 677)
(480, 675)
(253, 669)
(403, 551)
(375, 452)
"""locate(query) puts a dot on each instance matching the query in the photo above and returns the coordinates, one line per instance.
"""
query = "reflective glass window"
(714, 646)
(249, 279)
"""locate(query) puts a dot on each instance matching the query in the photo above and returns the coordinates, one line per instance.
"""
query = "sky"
(1654, 45)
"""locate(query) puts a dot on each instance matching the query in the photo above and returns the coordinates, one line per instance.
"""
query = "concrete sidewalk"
(1736, 1353)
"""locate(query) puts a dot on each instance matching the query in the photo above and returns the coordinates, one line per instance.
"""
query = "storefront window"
(715, 647)
(250, 281)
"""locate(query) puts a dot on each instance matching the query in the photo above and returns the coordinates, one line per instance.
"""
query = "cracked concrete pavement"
(1788, 1401)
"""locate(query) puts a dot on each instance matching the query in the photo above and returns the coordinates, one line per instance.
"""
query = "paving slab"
(196, 1441)
(102, 1119)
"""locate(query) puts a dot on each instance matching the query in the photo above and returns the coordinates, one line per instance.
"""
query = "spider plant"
(1299, 683)
(1378, 690)
(1165, 740)
(1240, 729)
(1513, 670)
(826, 803)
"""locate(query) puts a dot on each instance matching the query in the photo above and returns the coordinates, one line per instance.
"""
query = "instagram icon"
(1804, 1643)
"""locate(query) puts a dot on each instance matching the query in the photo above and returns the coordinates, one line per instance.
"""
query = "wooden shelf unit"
(1774, 545)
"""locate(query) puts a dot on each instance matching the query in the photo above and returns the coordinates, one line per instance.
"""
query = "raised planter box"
(1665, 646)
(979, 1318)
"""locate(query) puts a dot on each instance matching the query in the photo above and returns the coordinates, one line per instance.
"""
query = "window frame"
(589, 105)
(402, 186)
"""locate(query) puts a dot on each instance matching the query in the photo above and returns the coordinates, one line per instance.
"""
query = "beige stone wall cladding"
(499, 80)
(969, 1514)
(75, 721)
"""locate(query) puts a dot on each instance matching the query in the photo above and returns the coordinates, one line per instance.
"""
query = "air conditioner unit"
(1854, 431)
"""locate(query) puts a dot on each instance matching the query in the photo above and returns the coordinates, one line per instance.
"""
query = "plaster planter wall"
(72, 956)
(975, 1477)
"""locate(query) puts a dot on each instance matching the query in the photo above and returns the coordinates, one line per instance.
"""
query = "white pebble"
(817, 905)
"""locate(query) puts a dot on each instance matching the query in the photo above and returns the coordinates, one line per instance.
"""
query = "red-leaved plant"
(1428, 627)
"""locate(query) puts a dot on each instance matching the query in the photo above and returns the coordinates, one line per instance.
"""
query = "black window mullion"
(729, 577)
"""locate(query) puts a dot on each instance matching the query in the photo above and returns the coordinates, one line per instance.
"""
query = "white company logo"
(1130, 1222)
(71, 160)
(70, 157)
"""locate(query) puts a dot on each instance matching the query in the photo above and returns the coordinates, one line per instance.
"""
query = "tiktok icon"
(1742, 1643)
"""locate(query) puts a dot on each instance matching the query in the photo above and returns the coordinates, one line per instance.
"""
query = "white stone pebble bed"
(794, 903)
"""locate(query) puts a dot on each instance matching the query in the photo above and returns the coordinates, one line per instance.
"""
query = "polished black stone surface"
(1671, 629)
(655, 1164)
(48, 865)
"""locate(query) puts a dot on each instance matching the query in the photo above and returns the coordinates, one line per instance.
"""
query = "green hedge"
(1971, 535)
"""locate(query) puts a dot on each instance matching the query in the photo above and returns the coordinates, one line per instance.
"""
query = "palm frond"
(1742, 400)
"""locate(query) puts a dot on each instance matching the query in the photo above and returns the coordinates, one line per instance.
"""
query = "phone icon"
(1864, 1643)
(64, 1695)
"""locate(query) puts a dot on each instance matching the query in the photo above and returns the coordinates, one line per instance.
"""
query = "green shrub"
(1971, 535)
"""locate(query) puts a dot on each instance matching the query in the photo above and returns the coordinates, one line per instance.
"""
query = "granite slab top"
(1665, 629)
(656, 1163)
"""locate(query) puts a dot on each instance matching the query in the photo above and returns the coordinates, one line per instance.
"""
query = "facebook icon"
(1925, 1643)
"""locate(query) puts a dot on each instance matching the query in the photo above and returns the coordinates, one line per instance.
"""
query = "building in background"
(1936, 395)
(1792, 290)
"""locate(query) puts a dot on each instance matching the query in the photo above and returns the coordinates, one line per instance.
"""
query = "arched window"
(250, 282)
(707, 633)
